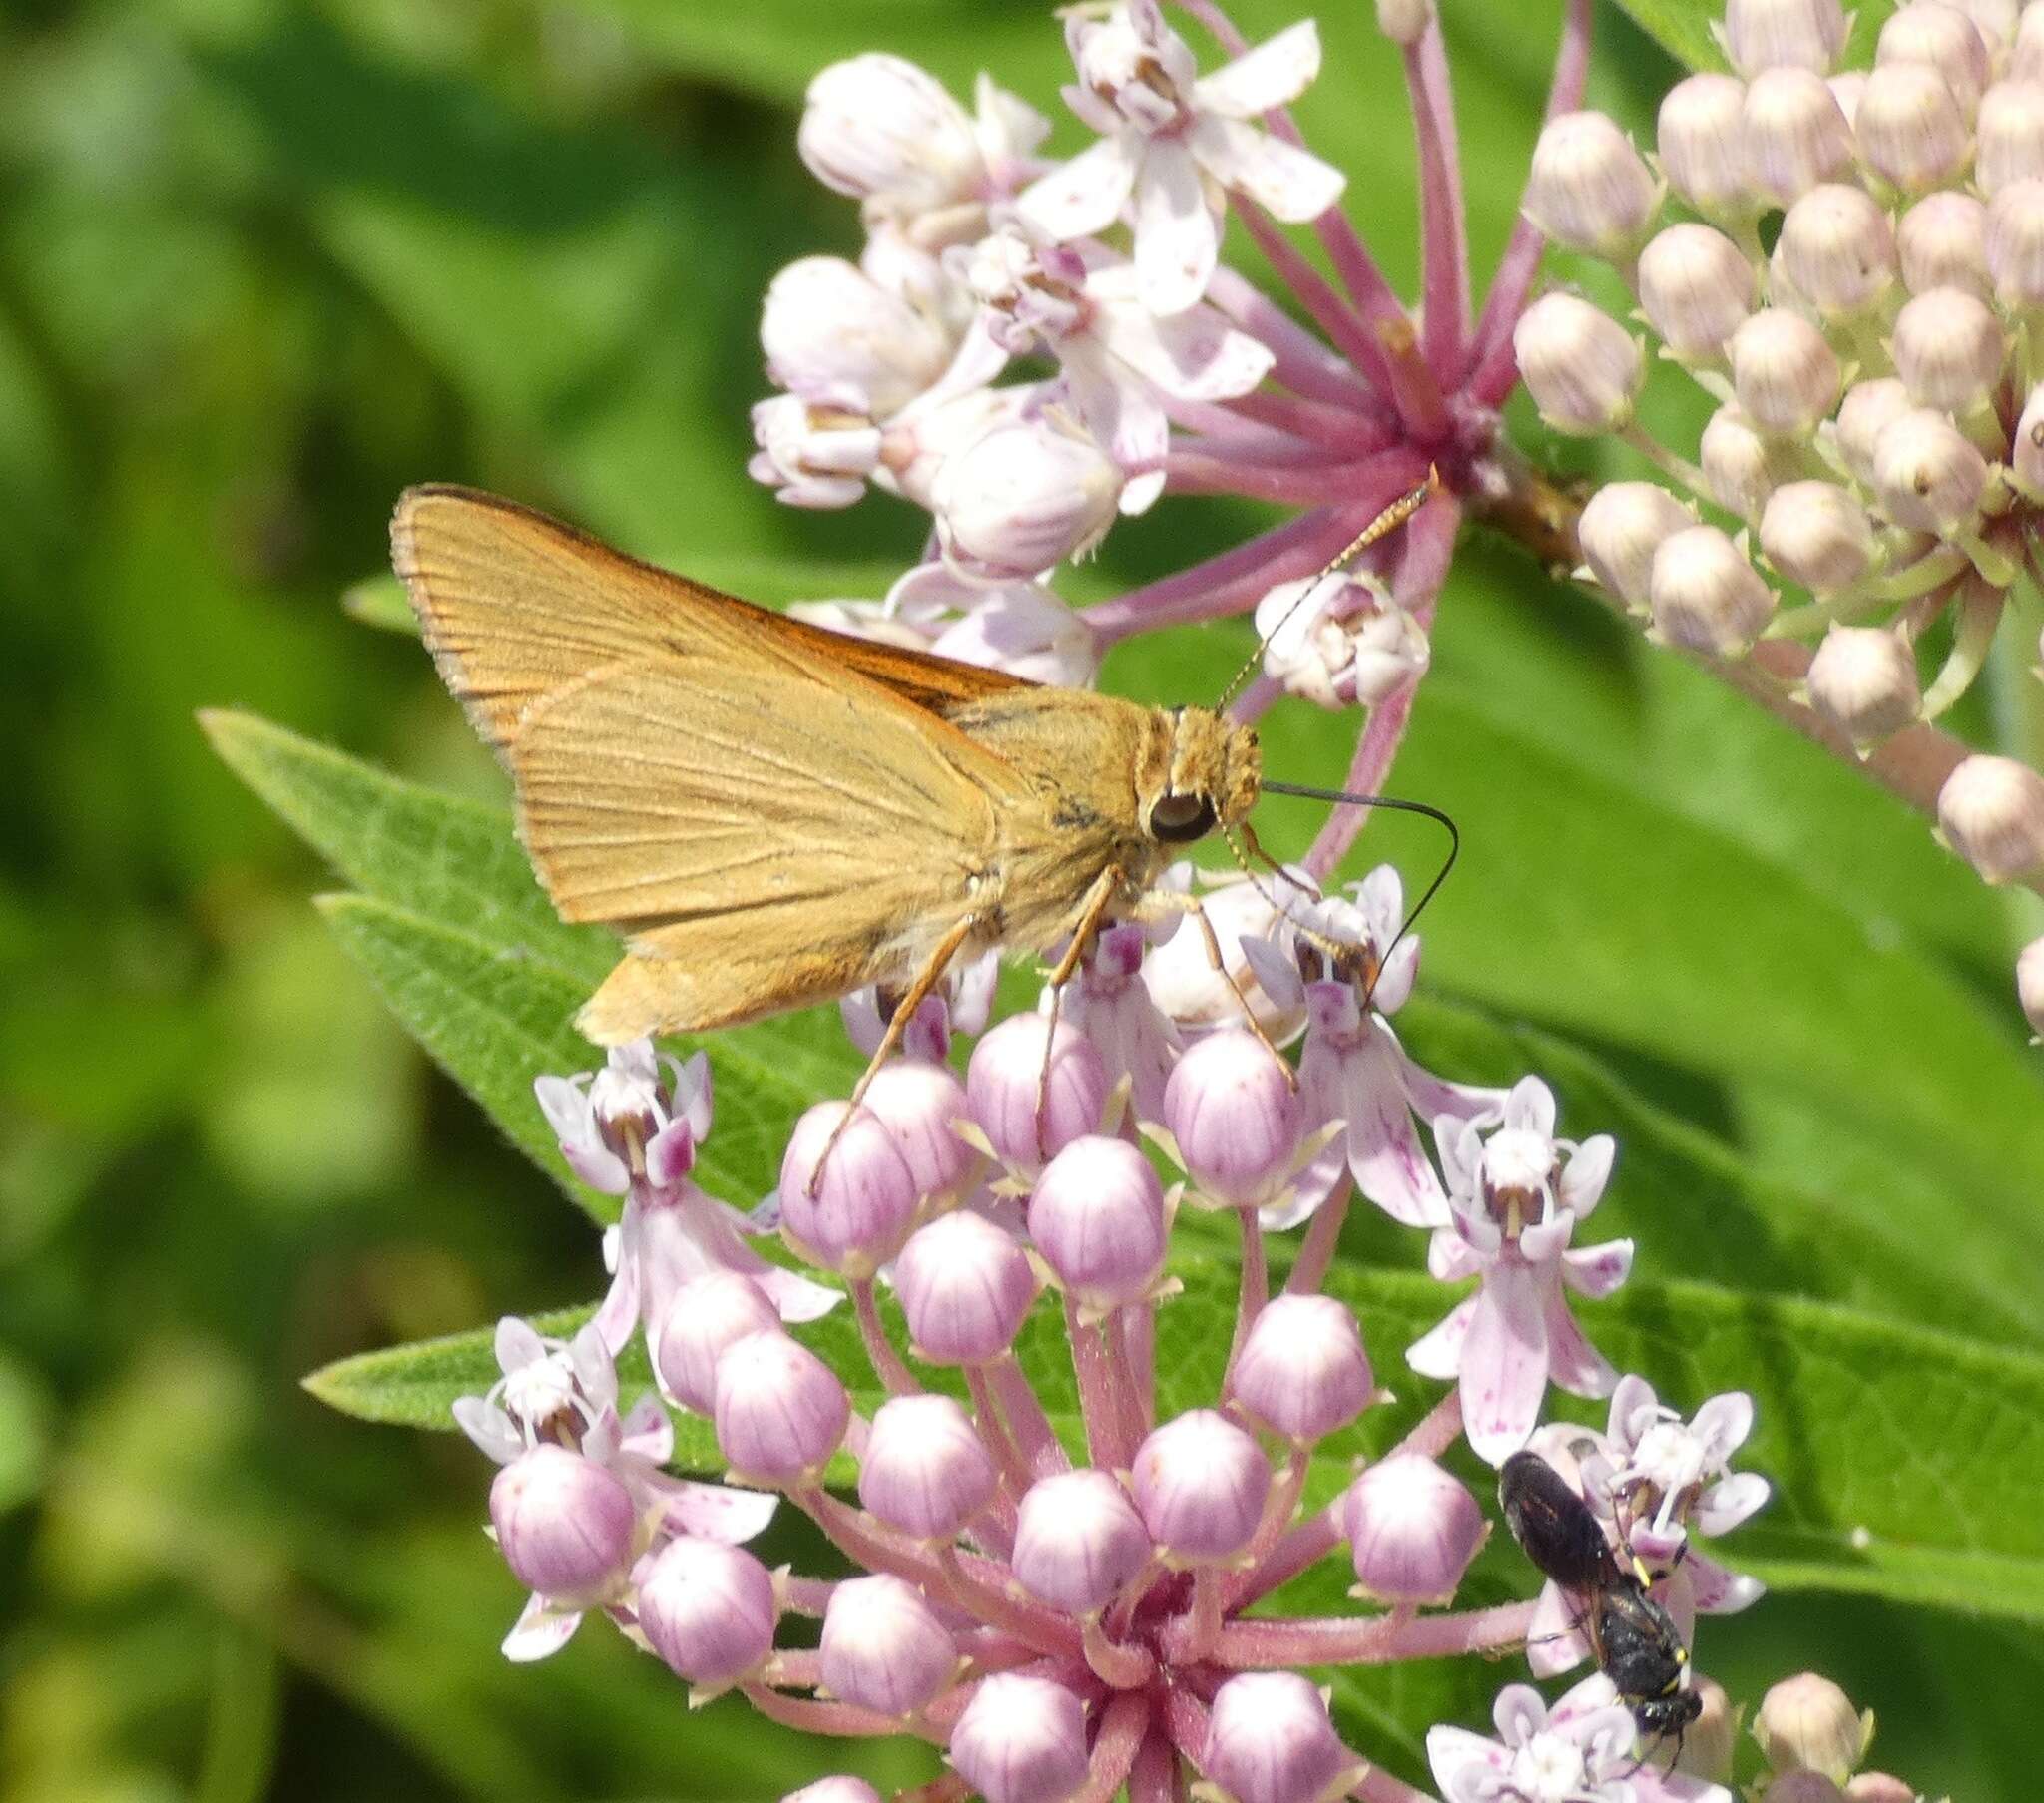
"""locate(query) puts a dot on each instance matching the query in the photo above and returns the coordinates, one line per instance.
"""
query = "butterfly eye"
(1178, 819)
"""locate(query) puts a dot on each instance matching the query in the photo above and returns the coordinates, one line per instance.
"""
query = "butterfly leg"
(1092, 910)
(927, 980)
(1173, 901)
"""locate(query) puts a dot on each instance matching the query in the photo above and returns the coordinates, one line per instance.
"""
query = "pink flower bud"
(829, 329)
(878, 126)
(1412, 1530)
(1097, 1217)
(917, 1101)
(1078, 1540)
(2015, 243)
(864, 1191)
(1708, 1746)
(1404, 21)
(812, 454)
(1991, 812)
(883, 1647)
(1301, 1370)
(926, 1471)
(1807, 1724)
(1024, 498)
(1837, 250)
(1818, 535)
(1740, 467)
(1996, 20)
(1801, 1787)
(1700, 137)
(2026, 460)
(1928, 475)
(1581, 366)
(1868, 407)
(1200, 1484)
(841, 1787)
(1942, 242)
(1863, 680)
(1948, 349)
(1696, 288)
(1234, 1113)
(1269, 1740)
(1796, 136)
(1775, 34)
(1880, 1787)
(1589, 188)
(1785, 374)
(562, 1522)
(780, 1411)
(1927, 31)
(1007, 1080)
(1623, 525)
(2030, 984)
(1021, 1739)
(2026, 59)
(1911, 126)
(1846, 87)
(1706, 595)
(964, 1286)
(711, 1312)
(708, 1609)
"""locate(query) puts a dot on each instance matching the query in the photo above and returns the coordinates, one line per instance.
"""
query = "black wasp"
(1633, 1638)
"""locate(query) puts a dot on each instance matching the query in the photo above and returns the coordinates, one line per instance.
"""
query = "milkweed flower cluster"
(1870, 487)
(1065, 1612)
(1029, 349)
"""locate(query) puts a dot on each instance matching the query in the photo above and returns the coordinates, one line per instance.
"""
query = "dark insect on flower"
(1633, 1640)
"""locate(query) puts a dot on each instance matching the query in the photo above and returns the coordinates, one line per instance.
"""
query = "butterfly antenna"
(1343, 798)
(1388, 521)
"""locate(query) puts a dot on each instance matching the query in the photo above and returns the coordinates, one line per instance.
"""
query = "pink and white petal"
(646, 1432)
(1006, 125)
(1195, 356)
(1503, 1371)
(1585, 1698)
(670, 1155)
(1584, 1176)
(1466, 1766)
(1178, 238)
(795, 1297)
(1634, 1409)
(1518, 1713)
(1450, 1258)
(596, 1164)
(1084, 196)
(1459, 1146)
(1657, 1546)
(1545, 1241)
(1725, 1504)
(540, 1632)
(1721, 1428)
(1275, 974)
(1288, 182)
(1554, 1641)
(1605, 1731)
(1576, 1365)
(495, 1434)
(517, 1343)
(565, 1104)
(1395, 980)
(1529, 1108)
(1437, 1353)
(1595, 1271)
(1274, 73)
(694, 1097)
(1715, 1590)
(1391, 1170)
(617, 1313)
(718, 1511)
(1140, 493)
(1676, 1595)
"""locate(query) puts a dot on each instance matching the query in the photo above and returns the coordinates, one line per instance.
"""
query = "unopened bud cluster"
(1042, 1597)
(1872, 479)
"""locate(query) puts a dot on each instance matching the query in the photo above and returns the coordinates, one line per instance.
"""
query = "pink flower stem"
(1330, 427)
(1231, 582)
(951, 1788)
(1026, 1419)
(887, 1363)
(1445, 232)
(1262, 1645)
(1492, 369)
(812, 1716)
(1100, 1402)
(1278, 1508)
(1313, 1540)
(1114, 1340)
(1316, 1250)
(1227, 430)
(807, 1596)
(1304, 364)
(1255, 1279)
(1349, 333)
(1139, 1356)
(1156, 1775)
(1430, 546)
(1201, 1623)
(1436, 1429)
(1116, 1664)
(988, 1598)
(1123, 1727)
(994, 1431)
(1254, 700)
(992, 1651)
(1416, 388)
(795, 1670)
(1184, 1718)
(1196, 472)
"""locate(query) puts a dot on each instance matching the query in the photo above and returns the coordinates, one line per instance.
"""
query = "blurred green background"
(263, 264)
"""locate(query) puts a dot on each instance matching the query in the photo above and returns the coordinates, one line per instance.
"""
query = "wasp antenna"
(1387, 521)
(1440, 876)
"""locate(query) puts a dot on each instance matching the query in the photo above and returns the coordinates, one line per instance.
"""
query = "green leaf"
(470, 955)
(1868, 1499)
(380, 601)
